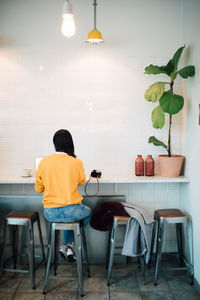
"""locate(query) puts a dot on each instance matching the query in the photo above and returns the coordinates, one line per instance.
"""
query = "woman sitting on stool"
(58, 177)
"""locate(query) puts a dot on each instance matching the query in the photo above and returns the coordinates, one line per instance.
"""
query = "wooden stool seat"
(170, 213)
(122, 220)
(22, 215)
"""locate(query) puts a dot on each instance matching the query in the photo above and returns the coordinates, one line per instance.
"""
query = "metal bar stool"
(27, 219)
(117, 220)
(80, 244)
(171, 216)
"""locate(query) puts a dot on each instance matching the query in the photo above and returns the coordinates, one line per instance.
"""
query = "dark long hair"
(63, 142)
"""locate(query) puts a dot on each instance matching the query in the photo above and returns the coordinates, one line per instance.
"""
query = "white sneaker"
(63, 251)
(67, 253)
(70, 254)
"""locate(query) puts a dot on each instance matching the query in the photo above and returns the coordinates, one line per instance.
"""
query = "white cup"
(27, 173)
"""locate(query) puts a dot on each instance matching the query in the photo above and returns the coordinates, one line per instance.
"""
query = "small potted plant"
(168, 102)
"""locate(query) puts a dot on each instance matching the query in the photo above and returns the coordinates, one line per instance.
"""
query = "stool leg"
(142, 266)
(187, 250)
(56, 249)
(41, 240)
(31, 252)
(112, 249)
(78, 246)
(50, 249)
(49, 240)
(5, 227)
(158, 249)
(108, 249)
(152, 242)
(23, 243)
(85, 250)
(15, 244)
(179, 242)
(141, 257)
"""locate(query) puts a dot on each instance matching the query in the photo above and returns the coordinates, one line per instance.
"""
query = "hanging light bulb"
(94, 36)
(68, 27)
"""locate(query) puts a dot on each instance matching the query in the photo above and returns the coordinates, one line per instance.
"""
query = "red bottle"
(149, 166)
(139, 166)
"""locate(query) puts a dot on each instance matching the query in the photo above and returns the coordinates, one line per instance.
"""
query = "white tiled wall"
(48, 82)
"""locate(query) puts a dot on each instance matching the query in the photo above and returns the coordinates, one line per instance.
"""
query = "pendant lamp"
(68, 27)
(94, 36)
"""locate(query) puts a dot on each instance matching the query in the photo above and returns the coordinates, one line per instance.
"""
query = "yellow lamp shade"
(94, 37)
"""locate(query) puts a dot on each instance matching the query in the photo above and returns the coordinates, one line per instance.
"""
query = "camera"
(95, 174)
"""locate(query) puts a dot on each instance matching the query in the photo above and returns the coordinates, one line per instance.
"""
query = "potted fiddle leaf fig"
(167, 103)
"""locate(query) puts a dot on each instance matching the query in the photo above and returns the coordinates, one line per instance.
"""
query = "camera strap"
(85, 189)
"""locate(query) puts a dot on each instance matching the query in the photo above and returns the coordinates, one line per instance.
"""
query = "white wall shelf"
(105, 179)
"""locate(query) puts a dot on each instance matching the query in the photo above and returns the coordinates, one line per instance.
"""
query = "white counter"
(104, 179)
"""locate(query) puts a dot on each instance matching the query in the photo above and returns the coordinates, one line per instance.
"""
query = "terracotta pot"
(170, 166)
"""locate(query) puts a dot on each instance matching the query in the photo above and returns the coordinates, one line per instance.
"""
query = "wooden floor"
(126, 283)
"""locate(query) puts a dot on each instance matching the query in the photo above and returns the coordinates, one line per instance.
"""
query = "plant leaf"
(151, 69)
(171, 103)
(170, 67)
(155, 91)
(172, 64)
(176, 57)
(158, 117)
(186, 72)
(173, 76)
(153, 140)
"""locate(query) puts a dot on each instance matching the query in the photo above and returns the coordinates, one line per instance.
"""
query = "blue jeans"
(69, 213)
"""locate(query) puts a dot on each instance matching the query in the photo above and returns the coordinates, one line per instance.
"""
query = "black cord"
(87, 185)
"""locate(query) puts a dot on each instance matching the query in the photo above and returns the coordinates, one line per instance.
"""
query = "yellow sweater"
(58, 176)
